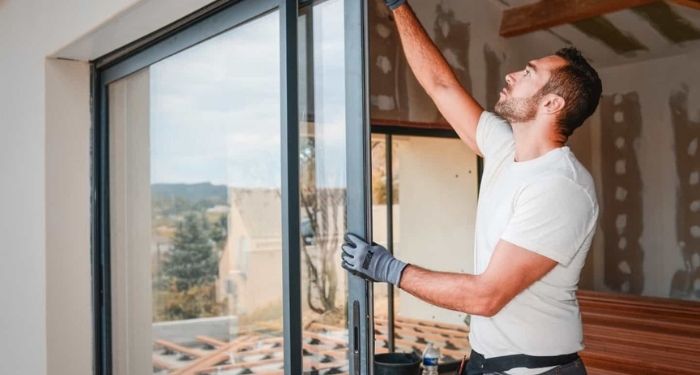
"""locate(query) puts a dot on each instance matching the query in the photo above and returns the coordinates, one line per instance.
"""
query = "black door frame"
(206, 23)
(359, 206)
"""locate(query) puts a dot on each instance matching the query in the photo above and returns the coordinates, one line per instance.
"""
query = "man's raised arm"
(435, 75)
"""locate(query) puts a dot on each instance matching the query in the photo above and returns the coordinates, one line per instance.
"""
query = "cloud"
(215, 107)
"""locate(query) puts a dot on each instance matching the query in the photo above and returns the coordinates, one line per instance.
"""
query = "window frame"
(208, 22)
(389, 131)
(212, 20)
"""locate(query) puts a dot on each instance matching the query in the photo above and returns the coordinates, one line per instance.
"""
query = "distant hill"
(174, 200)
(191, 192)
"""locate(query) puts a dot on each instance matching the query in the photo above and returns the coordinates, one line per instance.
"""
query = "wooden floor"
(639, 335)
(324, 349)
(622, 335)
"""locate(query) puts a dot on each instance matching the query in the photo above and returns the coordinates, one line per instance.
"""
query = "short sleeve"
(552, 217)
(493, 133)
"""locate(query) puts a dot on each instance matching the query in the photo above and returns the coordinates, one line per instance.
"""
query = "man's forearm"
(454, 291)
(427, 63)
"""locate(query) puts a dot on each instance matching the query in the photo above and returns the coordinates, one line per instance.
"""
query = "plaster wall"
(68, 335)
(45, 126)
(655, 96)
(437, 192)
(659, 218)
(663, 95)
(31, 227)
(467, 34)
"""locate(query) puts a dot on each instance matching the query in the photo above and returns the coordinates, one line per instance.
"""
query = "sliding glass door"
(323, 187)
(230, 157)
(195, 208)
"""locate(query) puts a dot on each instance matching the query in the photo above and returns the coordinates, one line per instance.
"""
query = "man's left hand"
(370, 261)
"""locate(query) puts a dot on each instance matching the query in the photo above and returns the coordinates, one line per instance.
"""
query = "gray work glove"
(393, 4)
(370, 261)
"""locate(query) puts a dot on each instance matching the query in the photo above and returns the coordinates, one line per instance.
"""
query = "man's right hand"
(393, 4)
(370, 261)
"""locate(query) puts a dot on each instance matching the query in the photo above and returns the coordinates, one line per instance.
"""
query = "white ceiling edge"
(134, 22)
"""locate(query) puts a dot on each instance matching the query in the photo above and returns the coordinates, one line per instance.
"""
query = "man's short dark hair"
(578, 83)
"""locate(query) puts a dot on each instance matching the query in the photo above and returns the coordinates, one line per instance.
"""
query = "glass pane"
(195, 209)
(323, 187)
(434, 206)
(380, 236)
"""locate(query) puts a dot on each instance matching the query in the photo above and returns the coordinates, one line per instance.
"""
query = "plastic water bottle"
(430, 360)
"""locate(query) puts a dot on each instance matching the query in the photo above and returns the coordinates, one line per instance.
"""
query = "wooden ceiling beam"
(549, 13)
(695, 4)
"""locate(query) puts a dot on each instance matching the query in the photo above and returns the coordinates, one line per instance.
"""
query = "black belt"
(479, 365)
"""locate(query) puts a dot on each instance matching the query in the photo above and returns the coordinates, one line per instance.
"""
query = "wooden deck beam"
(195, 353)
(549, 13)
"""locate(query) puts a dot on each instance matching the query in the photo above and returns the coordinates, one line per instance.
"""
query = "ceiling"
(645, 32)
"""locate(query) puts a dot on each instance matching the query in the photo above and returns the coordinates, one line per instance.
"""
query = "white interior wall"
(45, 122)
(438, 190)
(68, 285)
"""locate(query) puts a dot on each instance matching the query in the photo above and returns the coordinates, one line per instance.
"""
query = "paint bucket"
(397, 364)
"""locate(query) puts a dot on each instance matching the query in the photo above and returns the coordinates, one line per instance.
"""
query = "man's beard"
(518, 109)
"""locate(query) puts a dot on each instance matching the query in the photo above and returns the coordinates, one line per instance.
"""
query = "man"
(536, 214)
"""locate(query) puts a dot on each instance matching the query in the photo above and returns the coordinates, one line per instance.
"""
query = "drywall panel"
(467, 35)
(437, 193)
(657, 102)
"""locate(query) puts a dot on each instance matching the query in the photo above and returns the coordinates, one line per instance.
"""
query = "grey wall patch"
(601, 29)
(452, 37)
(494, 81)
(686, 281)
(667, 22)
(388, 93)
(621, 122)
(395, 94)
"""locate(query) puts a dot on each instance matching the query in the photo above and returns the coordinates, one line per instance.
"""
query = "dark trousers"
(573, 368)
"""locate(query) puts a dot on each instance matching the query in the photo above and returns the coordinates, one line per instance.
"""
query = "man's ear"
(553, 104)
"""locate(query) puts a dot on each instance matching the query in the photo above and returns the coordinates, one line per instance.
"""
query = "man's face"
(519, 100)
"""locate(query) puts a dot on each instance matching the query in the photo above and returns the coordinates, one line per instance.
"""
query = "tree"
(195, 302)
(218, 232)
(321, 206)
(192, 261)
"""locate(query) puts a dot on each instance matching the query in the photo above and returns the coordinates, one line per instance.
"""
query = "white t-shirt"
(546, 205)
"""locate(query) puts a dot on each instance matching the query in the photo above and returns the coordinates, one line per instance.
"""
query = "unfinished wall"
(621, 222)
(467, 35)
(437, 193)
(645, 138)
(640, 145)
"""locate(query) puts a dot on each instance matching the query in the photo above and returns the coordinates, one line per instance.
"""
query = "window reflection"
(196, 209)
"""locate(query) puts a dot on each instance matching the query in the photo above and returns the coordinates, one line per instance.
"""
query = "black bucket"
(397, 364)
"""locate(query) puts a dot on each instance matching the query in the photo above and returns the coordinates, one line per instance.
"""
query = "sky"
(215, 107)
